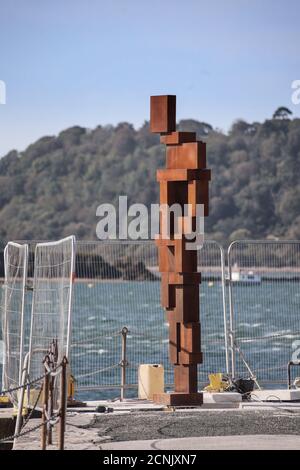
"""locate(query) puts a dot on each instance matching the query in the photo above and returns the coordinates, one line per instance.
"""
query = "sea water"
(266, 324)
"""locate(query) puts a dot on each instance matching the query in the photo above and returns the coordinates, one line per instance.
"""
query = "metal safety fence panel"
(118, 285)
(264, 303)
(54, 264)
(13, 304)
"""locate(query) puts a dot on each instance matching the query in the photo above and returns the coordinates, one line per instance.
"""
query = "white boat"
(244, 277)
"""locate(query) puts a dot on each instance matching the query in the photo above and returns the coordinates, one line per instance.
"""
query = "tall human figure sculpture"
(184, 181)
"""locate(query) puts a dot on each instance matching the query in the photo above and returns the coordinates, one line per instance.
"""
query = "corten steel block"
(184, 181)
(185, 260)
(190, 345)
(173, 192)
(166, 258)
(176, 138)
(187, 303)
(185, 225)
(183, 278)
(190, 358)
(174, 226)
(174, 341)
(173, 196)
(183, 174)
(190, 337)
(191, 156)
(163, 114)
(179, 316)
(198, 193)
(160, 240)
(178, 399)
(167, 193)
(167, 292)
(185, 378)
(184, 342)
(174, 257)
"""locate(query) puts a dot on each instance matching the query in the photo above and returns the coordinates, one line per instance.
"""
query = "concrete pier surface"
(257, 442)
(133, 425)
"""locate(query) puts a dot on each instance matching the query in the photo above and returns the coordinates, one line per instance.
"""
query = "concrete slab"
(211, 401)
(127, 404)
(249, 442)
(224, 397)
(277, 395)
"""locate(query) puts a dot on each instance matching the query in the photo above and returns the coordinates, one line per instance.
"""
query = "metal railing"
(52, 413)
(264, 307)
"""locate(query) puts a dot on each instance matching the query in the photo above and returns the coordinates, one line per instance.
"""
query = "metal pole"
(231, 316)
(70, 300)
(24, 281)
(290, 364)
(5, 336)
(45, 409)
(123, 362)
(52, 363)
(21, 399)
(289, 374)
(63, 403)
(224, 308)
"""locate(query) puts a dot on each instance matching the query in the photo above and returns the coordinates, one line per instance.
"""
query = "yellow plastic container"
(151, 380)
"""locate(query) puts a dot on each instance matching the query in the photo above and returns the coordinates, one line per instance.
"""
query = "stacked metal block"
(185, 180)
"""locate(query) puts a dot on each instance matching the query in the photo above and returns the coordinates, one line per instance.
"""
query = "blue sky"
(91, 62)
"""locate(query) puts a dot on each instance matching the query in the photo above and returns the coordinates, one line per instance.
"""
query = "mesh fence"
(265, 306)
(13, 301)
(51, 301)
(117, 285)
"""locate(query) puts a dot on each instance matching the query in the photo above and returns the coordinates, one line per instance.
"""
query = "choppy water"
(267, 325)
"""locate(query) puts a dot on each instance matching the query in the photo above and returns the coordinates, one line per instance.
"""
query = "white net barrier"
(117, 285)
(13, 302)
(214, 326)
(54, 264)
(265, 305)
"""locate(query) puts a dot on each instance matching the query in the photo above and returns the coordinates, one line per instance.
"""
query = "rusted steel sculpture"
(184, 181)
